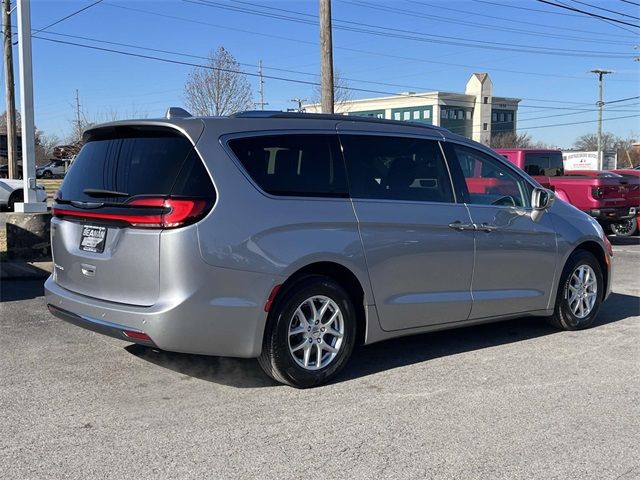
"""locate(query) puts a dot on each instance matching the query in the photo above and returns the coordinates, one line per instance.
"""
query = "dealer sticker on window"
(93, 238)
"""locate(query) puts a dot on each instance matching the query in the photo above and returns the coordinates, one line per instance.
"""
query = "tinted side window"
(301, 165)
(396, 168)
(544, 164)
(487, 181)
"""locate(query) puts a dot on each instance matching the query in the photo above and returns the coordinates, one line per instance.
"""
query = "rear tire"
(626, 228)
(580, 293)
(310, 333)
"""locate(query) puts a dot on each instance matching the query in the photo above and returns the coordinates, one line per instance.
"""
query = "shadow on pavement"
(234, 372)
(14, 290)
(615, 240)
(399, 352)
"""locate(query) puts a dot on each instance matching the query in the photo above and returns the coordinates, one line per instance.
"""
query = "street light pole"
(600, 73)
(31, 204)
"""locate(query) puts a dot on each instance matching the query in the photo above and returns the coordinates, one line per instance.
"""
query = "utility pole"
(299, 101)
(30, 203)
(78, 121)
(12, 157)
(600, 73)
(262, 103)
(326, 57)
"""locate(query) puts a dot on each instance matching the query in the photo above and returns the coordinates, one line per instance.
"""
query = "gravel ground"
(514, 400)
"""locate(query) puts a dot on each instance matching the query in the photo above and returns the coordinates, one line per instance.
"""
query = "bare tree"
(342, 93)
(590, 142)
(220, 88)
(514, 140)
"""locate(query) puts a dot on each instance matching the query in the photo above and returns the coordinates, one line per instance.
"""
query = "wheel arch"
(601, 256)
(342, 275)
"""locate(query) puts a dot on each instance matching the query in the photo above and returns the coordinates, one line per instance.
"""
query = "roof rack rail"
(328, 116)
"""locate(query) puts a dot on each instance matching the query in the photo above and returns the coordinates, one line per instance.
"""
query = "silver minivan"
(291, 237)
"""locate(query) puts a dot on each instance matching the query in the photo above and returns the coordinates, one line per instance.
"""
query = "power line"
(68, 16)
(631, 3)
(605, 9)
(412, 13)
(384, 31)
(286, 79)
(550, 12)
(621, 100)
(589, 13)
(348, 49)
(505, 19)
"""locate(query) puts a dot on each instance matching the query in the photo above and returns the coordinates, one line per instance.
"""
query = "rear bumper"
(613, 214)
(210, 320)
(121, 332)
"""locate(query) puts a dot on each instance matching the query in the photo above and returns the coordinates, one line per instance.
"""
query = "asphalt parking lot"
(514, 400)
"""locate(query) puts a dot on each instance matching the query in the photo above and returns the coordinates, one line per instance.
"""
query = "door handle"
(458, 225)
(485, 227)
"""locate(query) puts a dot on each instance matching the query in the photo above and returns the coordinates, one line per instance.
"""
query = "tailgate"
(126, 271)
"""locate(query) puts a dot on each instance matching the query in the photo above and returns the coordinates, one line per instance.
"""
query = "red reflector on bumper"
(136, 335)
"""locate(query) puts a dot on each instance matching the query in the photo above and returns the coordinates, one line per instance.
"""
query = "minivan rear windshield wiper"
(97, 192)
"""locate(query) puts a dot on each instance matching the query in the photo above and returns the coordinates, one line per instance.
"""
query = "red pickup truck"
(627, 227)
(607, 198)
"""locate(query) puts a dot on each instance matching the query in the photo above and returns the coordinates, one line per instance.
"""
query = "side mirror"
(541, 200)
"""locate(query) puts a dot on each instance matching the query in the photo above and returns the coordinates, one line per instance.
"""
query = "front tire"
(310, 333)
(580, 292)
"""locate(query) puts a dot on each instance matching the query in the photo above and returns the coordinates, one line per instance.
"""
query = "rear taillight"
(597, 192)
(148, 212)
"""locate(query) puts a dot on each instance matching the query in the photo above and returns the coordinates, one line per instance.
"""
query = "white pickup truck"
(11, 193)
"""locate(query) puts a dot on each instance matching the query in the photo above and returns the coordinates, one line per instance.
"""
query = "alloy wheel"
(582, 291)
(316, 332)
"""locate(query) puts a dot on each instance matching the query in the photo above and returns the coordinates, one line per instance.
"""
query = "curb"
(25, 270)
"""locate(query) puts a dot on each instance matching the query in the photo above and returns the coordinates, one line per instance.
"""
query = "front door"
(515, 257)
(417, 241)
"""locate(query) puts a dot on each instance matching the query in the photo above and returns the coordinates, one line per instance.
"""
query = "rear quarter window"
(293, 165)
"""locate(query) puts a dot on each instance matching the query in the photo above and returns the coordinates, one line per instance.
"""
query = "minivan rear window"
(293, 165)
(136, 161)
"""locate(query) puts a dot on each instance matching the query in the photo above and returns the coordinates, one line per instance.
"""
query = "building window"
(509, 117)
(443, 114)
(452, 114)
(502, 117)
(468, 115)
(397, 116)
(494, 117)
(460, 114)
(406, 115)
(416, 114)
(380, 115)
(486, 100)
(484, 127)
(426, 114)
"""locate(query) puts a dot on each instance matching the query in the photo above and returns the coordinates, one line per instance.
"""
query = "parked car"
(603, 196)
(4, 171)
(53, 169)
(291, 237)
(11, 192)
